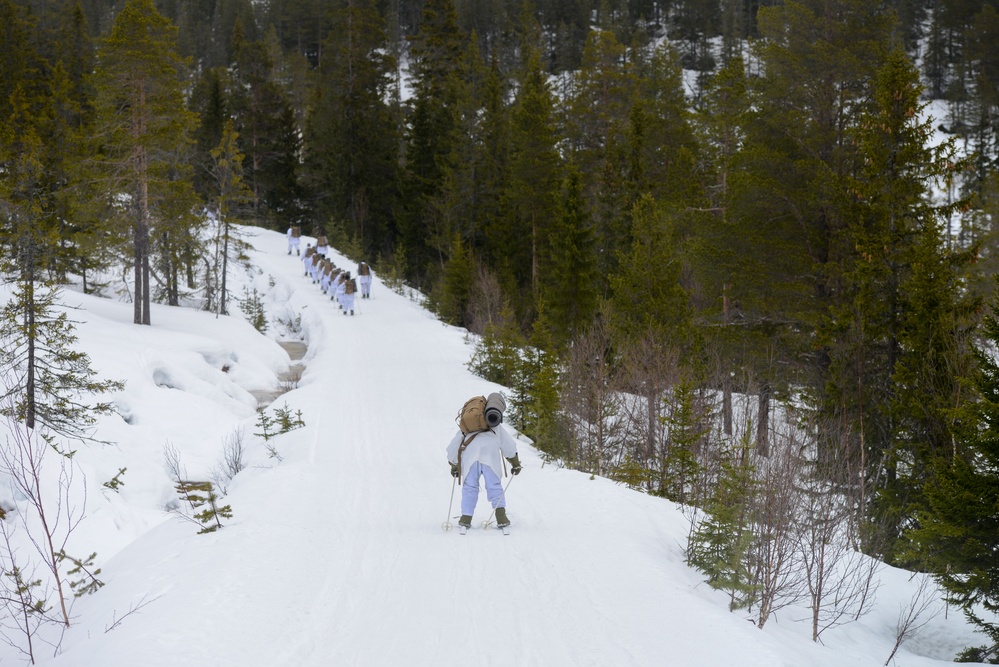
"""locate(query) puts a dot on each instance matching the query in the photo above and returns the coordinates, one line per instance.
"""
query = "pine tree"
(143, 129)
(719, 124)
(230, 204)
(663, 150)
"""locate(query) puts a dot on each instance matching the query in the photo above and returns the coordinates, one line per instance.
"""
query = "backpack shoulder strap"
(465, 443)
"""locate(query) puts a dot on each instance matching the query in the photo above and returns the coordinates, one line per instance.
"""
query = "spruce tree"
(648, 295)
(596, 129)
(788, 200)
(957, 531)
(46, 382)
(521, 237)
(650, 315)
(210, 100)
(719, 544)
(351, 138)
(468, 195)
(433, 128)
(269, 135)
(452, 297)
(570, 288)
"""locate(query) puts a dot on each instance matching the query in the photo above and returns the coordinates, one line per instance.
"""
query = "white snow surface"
(336, 555)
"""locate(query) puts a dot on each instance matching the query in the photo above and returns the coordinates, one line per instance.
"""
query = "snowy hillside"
(335, 553)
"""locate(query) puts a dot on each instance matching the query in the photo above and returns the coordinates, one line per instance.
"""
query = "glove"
(455, 471)
(515, 466)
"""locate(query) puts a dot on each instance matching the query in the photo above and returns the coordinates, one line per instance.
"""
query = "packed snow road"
(336, 556)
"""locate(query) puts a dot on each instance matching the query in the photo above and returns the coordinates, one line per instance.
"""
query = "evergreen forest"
(718, 250)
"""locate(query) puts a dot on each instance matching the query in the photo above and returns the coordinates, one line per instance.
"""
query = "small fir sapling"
(286, 422)
(202, 495)
(283, 421)
(265, 423)
(253, 307)
(116, 482)
(87, 583)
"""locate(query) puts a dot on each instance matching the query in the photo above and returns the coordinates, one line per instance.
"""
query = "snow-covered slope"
(335, 554)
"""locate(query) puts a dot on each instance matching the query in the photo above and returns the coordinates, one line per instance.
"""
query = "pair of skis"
(463, 530)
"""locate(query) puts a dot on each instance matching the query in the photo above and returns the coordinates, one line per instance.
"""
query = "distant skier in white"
(307, 258)
(314, 269)
(327, 277)
(338, 289)
(322, 247)
(295, 239)
(483, 456)
(364, 278)
(347, 300)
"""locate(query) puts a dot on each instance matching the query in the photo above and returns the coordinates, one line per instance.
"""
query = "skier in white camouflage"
(480, 453)
(295, 239)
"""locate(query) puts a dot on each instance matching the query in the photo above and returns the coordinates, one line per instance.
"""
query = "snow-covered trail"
(391, 587)
(336, 556)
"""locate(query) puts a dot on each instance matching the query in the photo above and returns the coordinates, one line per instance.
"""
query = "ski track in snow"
(335, 554)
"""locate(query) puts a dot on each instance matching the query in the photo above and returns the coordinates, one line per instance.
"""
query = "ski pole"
(447, 525)
(488, 522)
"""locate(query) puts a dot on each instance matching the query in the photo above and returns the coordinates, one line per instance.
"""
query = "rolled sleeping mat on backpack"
(495, 407)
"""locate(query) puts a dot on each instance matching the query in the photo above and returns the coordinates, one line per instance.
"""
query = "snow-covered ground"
(335, 554)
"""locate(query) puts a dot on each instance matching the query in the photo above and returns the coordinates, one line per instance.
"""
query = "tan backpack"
(350, 287)
(473, 415)
(321, 241)
(296, 232)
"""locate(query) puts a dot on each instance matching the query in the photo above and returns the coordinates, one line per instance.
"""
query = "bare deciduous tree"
(588, 396)
(777, 562)
(914, 616)
(231, 464)
(22, 596)
(840, 580)
(53, 515)
(647, 371)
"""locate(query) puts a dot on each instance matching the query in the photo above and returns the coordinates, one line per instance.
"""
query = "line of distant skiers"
(331, 279)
